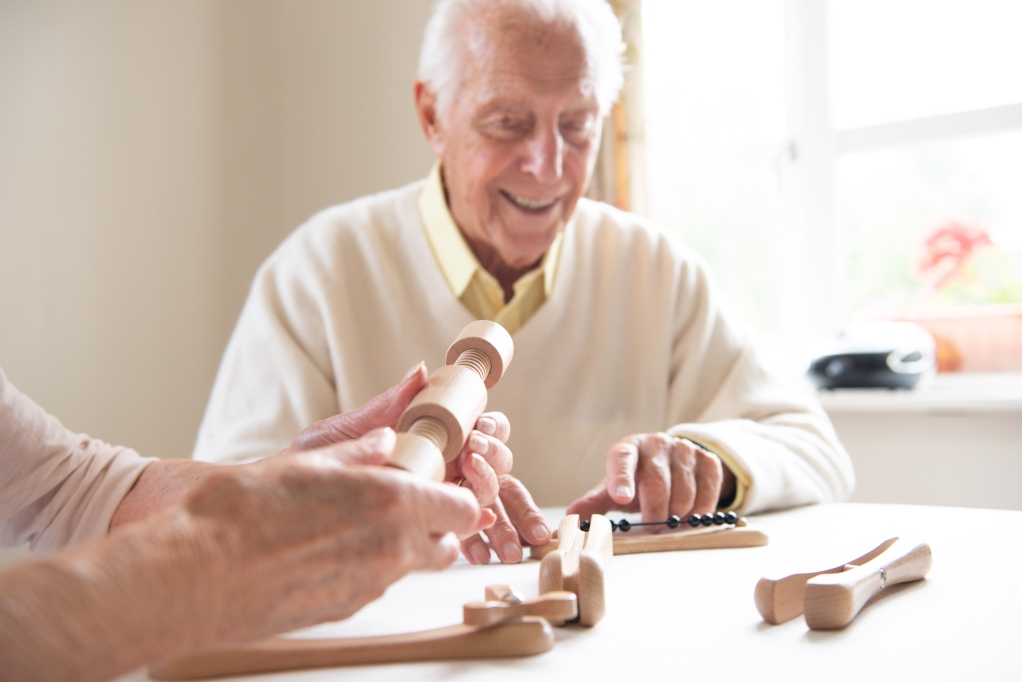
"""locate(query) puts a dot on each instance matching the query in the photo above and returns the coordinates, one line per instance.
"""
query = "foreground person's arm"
(253, 551)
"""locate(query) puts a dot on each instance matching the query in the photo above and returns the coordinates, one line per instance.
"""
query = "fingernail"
(413, 370)
(540, 533)
(477, 443)
(624, 491)
(382, 438)
(480, 554)
(487, 425)
(512, 553)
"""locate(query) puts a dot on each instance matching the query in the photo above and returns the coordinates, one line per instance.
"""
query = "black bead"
(719, 519)
(624, 525)
(584, 526)
(694, 520)
(674, 522)
(707, 519)
(731, 518)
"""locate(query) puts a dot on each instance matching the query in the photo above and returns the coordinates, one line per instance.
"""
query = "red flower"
(946, 249)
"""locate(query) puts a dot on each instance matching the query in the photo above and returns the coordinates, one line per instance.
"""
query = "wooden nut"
(418, 455)
(454, 396)
(490, 338)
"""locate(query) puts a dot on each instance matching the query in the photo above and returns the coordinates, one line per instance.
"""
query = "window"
(843, 158)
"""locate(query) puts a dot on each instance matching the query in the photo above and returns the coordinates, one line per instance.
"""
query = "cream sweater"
(633, 339)
(57, 488)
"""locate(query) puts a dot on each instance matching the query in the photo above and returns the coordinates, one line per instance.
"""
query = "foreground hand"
(660, 476)
(321, 538)
(518, 521)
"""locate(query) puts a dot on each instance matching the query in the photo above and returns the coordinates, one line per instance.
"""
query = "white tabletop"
(690, 615)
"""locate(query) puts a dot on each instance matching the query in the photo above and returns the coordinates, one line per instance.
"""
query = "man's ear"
(425, 106)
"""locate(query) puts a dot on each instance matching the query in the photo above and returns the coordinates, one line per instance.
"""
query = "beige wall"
(152, 154)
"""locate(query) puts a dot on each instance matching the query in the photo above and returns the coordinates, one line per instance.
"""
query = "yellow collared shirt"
(476, 288)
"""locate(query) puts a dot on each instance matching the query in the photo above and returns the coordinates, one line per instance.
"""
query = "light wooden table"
(690, 615)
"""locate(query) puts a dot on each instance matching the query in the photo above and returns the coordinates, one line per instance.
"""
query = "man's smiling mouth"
(529, 204)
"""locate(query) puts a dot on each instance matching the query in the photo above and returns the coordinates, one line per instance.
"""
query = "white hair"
(440, 60)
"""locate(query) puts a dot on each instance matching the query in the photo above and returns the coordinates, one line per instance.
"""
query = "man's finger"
(493, 450)
(653, 479)
(596, 501)
(708, 477)
(523, 512)
(494, 424)
(503, 536)
(476, 550)
(479, 478)
(622, 461)
(383, 410)
(683, 479)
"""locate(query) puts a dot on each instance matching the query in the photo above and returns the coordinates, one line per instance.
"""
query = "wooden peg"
(578, 564)
(555, 607)
(438, 420)
(525, 636)
(779, 600)
(834, 599)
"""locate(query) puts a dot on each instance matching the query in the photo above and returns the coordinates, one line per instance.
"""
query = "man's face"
(518, 141)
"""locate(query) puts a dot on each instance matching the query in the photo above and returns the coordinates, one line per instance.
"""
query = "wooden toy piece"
(578, 565)
(555, 607)
(779, 600)
(738, 534)
(834, 599)
(437, 422)
(525, 636)
(510, 627)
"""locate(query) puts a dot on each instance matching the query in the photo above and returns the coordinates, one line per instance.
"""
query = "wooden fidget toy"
(439, 419)
(577, 565)
(503, 625)
(832, 598)
(707, 531)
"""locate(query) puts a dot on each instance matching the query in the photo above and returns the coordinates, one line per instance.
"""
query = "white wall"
(152, 154)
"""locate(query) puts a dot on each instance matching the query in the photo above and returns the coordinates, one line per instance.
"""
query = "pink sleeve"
(57, 488)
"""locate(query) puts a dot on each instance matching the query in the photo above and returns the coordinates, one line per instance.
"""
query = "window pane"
(962, 195)
(893, 60)
(715, 135)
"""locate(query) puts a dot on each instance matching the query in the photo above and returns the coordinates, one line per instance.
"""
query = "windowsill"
(968, 393)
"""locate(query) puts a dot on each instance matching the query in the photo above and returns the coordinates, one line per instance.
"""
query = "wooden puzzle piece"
(508, 627)
(831, 598)
(578, 564)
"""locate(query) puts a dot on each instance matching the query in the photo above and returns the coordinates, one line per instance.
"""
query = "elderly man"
(627, 367)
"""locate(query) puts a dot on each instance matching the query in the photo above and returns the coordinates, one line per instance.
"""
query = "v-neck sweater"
(633, 339)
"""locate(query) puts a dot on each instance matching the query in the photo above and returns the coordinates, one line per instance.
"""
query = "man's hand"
(660, 476)
(518, 521)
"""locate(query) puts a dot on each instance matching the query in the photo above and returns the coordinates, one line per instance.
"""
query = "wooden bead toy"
(439, 419)
(707, 531)
(833, 597)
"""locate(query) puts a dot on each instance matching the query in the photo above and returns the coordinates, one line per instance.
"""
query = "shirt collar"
(450, 250)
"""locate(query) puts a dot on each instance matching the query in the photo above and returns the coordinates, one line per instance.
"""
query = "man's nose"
(544, 158)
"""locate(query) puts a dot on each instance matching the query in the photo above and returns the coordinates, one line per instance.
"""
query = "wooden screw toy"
(831, 598)
(437, 422)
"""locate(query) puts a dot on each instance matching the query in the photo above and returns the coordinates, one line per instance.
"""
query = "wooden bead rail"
(718, 519)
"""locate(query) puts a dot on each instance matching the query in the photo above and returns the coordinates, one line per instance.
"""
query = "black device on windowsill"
(875, 354)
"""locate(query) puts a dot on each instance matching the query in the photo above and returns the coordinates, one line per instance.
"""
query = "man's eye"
(577, 131)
